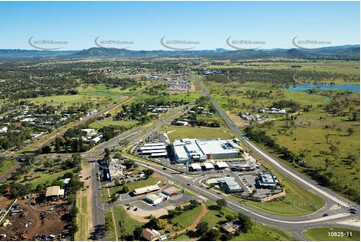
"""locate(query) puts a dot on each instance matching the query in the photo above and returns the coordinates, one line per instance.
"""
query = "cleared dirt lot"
(28, 221)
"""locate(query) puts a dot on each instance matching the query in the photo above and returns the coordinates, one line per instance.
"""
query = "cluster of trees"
(261, 137)
(344, 104)
(72, 140)
(294, 106)
(157, 90)
(243, 75)
(205, 233)
(14, 139)
(328, 179)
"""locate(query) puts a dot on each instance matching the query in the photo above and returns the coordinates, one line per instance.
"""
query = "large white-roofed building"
(197, 150)
(196, 167)
(153, 150)
(208, 166)
(222, 165)
(144, 190)
(154, 199)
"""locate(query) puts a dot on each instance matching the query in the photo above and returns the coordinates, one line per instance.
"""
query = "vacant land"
(120, 215)
(259, 231)
(321, 128)
(175, 132)
(332, 234)
(186, 218)
(101, 123)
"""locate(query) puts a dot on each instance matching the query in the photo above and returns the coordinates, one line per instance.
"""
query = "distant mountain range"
(345, 52)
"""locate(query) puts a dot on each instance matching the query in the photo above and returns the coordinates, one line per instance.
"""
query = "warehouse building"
(196, 167)
(145, 190)
(208, 166)
(154, 199)
(267, 180)
(197, 150)
(171, 191)
(54, 192)
(227, 184)
(222, 165)
(153, 150)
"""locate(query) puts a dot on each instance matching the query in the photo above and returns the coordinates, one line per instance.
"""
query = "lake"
(345, 87)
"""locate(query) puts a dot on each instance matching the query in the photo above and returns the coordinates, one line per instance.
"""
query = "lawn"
(101, 123)
(109, 226)
(129, 224)
(82, 218)
(259, 232)
(48, 178)
(197, 132)
(7, 165)
(68, 100)
(313, 139)
(332, 234)
(185, 190)
(186, 218)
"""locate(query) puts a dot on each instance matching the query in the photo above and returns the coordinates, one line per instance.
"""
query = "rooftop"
(54, 191)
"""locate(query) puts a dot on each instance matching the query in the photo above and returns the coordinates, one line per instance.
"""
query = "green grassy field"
(82, 219)
(197, 132)
(308, 134)
(185, 219)
(342, 67)
(68, 100)
(259, 232)
(48, 178)
(101, 123)
(332, 234)
(7, 165)
(121, 215)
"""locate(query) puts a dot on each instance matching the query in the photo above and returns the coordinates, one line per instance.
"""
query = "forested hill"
(346, 52)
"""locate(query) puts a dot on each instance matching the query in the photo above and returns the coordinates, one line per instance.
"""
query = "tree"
(245, 222)
(152, 223)
(125, 189)
(148, 172)
(162, 223)
(129, 164)
(106, 154)
(221, 202)
(117, 182)
(350, 159)
(202, 228)
(137, 233)
(211, 235)
(350, 131)
(46, 150)
(231, 217)
(328, 162)
(114, 197)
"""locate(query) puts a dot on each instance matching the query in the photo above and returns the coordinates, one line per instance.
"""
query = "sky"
(203, 25)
